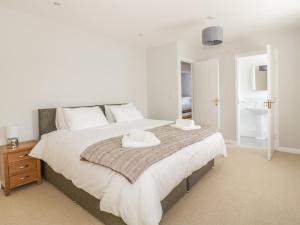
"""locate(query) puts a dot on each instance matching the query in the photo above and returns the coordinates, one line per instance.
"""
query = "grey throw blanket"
(132, 162)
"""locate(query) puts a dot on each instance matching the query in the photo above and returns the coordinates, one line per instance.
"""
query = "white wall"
(288, 45)
(163, 79)
(44, 64)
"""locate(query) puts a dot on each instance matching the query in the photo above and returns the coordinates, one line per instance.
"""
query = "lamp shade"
(212, 35)
(12, 132)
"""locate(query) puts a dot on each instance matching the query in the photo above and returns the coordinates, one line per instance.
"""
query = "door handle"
(269, 103)
(23, 178)
(23, 167)
(216, 101)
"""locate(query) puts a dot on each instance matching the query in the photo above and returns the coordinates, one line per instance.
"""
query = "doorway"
(186, 91)
(253, 92)
(256, 100)
(200, 101)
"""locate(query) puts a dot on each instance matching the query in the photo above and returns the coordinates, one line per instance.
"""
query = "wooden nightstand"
(17, 167)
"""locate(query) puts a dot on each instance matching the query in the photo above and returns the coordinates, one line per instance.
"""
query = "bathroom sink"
(260, 121)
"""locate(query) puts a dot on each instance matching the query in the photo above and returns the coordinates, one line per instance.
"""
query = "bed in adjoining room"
(118, 192)
(186, 106)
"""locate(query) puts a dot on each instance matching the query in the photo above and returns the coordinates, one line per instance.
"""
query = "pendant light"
(212, 35)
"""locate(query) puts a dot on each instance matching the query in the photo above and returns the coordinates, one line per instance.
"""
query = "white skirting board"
(279, 149)
(288, 150)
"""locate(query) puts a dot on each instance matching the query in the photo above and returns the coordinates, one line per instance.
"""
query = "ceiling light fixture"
(212, 36)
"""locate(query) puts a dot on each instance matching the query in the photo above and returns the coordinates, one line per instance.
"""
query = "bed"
(113, 211)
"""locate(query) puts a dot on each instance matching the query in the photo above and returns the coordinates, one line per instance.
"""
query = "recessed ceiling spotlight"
(57, 3)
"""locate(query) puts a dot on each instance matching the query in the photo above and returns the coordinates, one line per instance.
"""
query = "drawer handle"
(22, 167)
(23, 178)
(22, 156)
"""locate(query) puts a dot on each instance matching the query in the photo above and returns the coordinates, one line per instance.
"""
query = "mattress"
(61, 150)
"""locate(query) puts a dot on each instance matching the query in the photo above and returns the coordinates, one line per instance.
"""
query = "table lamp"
(12, 136)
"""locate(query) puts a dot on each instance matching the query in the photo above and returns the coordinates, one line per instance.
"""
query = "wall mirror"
(260, 78)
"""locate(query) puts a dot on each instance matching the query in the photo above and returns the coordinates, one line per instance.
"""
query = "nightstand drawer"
(23, 179)
(21, 167)
(15, 157)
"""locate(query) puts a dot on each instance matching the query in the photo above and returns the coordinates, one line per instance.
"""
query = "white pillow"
(84, 117)
(60, 121)
(124, 113)
(109, 116)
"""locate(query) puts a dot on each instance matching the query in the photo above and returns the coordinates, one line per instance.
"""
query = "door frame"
(274, 97)
(179, 108)
(237, 105)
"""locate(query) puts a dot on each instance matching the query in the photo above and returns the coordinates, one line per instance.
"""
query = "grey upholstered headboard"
(47, 118)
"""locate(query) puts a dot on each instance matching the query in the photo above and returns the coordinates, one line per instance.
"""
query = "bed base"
(198, 174)
(91, 204)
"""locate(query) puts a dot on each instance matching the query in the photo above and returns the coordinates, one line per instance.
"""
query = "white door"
(271, 103)
(206, 104)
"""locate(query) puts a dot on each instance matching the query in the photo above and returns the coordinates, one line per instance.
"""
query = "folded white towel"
(186, 124)
(139, 139)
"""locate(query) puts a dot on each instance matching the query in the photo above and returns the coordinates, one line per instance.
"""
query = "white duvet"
(138, 203)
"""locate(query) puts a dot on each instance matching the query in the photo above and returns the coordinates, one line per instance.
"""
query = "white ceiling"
(166, 20)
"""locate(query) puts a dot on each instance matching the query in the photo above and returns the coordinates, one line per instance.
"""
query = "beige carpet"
(244, 189)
